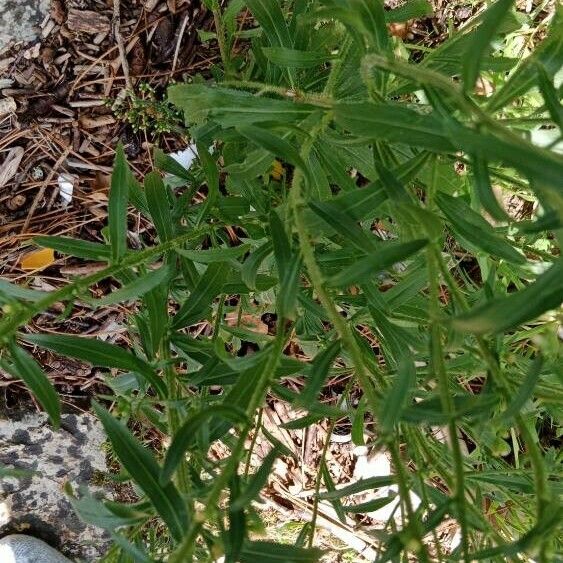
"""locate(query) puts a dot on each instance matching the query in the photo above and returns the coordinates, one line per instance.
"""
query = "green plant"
(466, 330)
(145, 112)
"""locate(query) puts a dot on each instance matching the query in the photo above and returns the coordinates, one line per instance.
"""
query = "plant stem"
(183, 552)
(437, 362)
(174, 395)
(221, 39)
(540, 474)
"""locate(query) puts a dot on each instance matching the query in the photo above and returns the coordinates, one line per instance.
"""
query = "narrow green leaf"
(393, 123)
(26, 368)
(236, 533)
(214, 254)
(525, 391)
(329, 484)
(98, 353)
(141, 285)
(359, 486)
(318, 373)
(273, 143)
(484, 189)
(430, 411)
(369, 506)
(208, 287)
(413, 9)
(234, 107)
(257, 481)
(117, 205)
(75, 247)
(550, 97)
(475, 230)
(93, 511)
(392, 405)
(269, 15)
(303, 422)
(134, 551)
(396, 192)
(143, 468)
(186, 435)
(212, 176)
(157, 202)
(503, 313)
(358, 422)
(270, 552)
(294, 58)
(168, 164)
(281, 243)
(382, 259)
(481, 39)
(251, 265)
(548, 53)
(372, 16)
(12, 290)
(286, 302)
(344, 225)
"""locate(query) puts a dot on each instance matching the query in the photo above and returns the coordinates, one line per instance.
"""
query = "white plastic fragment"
(377, 464)
(66, 188)
(185, 157)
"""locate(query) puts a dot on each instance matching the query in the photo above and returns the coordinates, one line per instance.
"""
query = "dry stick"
(43, 187)
(116, 22)
(179, 42)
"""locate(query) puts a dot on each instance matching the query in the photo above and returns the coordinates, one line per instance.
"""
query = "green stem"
(418, 546)
(174, 422)
(540, 474)
(221, 39)
(296, 204)
(437, 359)
(320, 100)
(183, 553)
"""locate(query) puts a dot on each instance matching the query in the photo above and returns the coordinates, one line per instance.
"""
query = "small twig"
(116, 23)
(179, 41)
(43, 187)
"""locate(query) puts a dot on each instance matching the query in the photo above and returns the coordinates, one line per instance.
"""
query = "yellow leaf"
(38, 260)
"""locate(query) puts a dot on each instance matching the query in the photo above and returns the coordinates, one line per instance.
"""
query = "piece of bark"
(87, 21)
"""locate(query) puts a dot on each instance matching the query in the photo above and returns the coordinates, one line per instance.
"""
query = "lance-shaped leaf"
(144, 470)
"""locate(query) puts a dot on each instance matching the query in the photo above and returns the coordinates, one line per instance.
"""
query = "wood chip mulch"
(57, 123)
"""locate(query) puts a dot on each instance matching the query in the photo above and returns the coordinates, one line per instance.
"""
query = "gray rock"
(20, 19)
(19, 548)
(34, 502)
